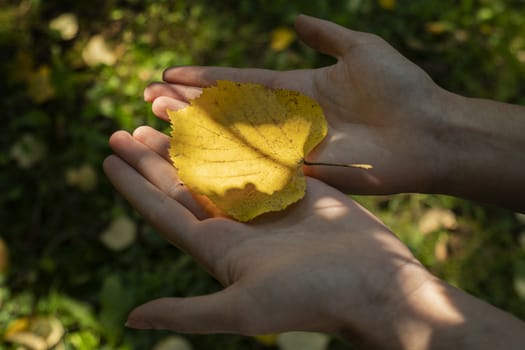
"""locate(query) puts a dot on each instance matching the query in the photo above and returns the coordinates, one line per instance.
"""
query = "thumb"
(213, 313)
(326, 37)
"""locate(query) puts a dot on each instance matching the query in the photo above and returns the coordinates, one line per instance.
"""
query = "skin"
(327, 264)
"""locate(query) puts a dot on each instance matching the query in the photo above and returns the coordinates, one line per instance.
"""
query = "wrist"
(475, 144)
(384, 312)
(427, 313)
(437, 151)
(407, 318)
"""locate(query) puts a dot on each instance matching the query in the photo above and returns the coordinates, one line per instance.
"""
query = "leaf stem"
(359, 166)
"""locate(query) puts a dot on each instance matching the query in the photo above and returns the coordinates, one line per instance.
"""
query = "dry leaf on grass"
(303, 341)
(437, 218)
(35, 333)
(173, 342)
(120, 234)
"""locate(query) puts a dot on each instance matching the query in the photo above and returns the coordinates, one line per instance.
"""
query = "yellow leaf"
(437, 27)
(243, 146)
(282, 37)
(40, 87)
(35, 333)
(267, 339)
(387, 4)
(16, 326)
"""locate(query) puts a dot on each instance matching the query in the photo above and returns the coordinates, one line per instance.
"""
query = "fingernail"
(138, 324)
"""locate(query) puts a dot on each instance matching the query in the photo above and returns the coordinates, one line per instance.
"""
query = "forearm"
(480, 151)
(437, 316)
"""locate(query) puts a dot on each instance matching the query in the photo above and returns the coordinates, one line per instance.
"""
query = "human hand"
(381, 108)
(324, 264)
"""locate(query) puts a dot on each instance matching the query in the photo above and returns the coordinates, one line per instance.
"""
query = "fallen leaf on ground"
(282, 37)
(83, 177)
(173, 342)
(40, 87)
(97, 51)
(242, 145)
(437, 218)
(302, 341)
(66, 25)
(519, 279)
(120, 234)
(35, 333)
(28, 151)
(267, 339)
(441, 248)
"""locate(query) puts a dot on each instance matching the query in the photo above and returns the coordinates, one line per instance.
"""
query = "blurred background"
(74, 257)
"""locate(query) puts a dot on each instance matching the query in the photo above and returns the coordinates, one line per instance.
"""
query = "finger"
(206, 76)
(182, 93)
(160, 143)
(299, 80)
(213, 313)
(173, 220)
(161, 105)
(169, 96)
(207, 241)
(154, 139)
(327, 37)
(156, 170)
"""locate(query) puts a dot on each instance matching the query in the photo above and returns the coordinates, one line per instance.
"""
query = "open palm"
(292, 270)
